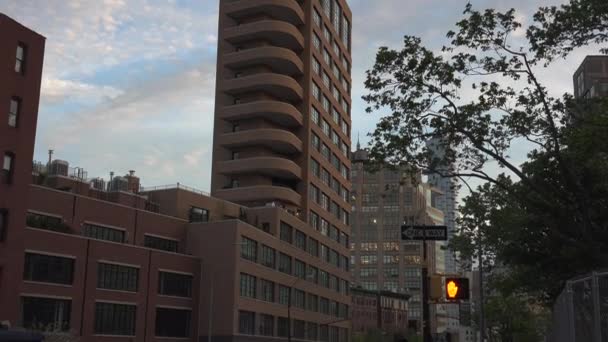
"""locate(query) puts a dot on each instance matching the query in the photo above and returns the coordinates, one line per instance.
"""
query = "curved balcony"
(278, 140)
(279, 86)
(270, 166)
(260, 193)
(281, 60)
(278, 112)
(278, 33)
(286, 10)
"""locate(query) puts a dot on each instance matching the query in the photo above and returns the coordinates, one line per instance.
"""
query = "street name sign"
(424, 233)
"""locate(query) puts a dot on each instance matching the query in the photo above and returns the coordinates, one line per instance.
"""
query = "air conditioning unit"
(59, 168)
(98, 183)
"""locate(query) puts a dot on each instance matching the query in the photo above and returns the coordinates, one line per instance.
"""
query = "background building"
(382, 201)
(591, 77)
(381, 312)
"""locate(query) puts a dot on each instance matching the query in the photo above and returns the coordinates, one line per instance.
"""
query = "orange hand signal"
(452, 289)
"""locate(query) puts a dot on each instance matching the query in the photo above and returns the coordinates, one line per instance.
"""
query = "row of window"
(269, 257)
(331, 231)
(323, 200)
(390, 259)
(331, 134)
(331, 89)
(251, 323)
(268, 291)
(333, 12)
(110, 318)
(331, 157)
(60, 270)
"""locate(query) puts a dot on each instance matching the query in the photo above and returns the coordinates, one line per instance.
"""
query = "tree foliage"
(546, 219)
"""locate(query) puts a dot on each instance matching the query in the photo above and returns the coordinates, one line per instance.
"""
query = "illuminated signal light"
(456, 288)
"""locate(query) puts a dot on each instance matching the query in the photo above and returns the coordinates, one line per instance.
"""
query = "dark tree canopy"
(544, 220)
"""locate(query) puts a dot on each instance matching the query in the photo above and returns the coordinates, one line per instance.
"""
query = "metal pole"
(426, 329)
(212, 277)
(482, 323)
(289, 316)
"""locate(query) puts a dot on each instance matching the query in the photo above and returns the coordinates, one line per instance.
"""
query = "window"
(314, 167)
(327, 33)
(336, 72)
(337, 15)
(327, 84)
(334, 209)
(336, 49)
(247, 322)
(312, 331)
(335, 115)
(315, 115)
(235, 155)
(249, 249)
(299, 329)
(8, 166)
(103, 233)
(20, 58)
(300, 240)
(333, 309)
(174, 284)
(282, 327)
(286, 232)
(316, 18)
(283, 295)
(316, 41)
(300, 269)
(266, 290)
(345, 171)
(248, 286)
(299, 299)
(335, 161)
(3, 223)
(160, 243)
(316, 68)
(312, 302)
(266, 325)
(346, 32)
(313, 274)
(324, 201)
(199, 215)
(313, 247)
(37, 312)
(115, 319)
(173, 322)
(344, 150)
(324, 332)
(268, 256)
(325, 176)
(316, 93)
(47, 222)
(117, 277)
(284, 263)
(334, 233)
(314, 220)
(13, 111)
(345, 85)
(326, 7)
(315, 142)
(314, 193)
(324, 305)
(323, 278)
(324, 227)
(333, 258)
(335, 138)
(325, 151)
(325, 127)
(345, 107)
(345, 129)
(48, 269)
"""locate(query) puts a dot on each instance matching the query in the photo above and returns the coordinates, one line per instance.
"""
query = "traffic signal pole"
(426, 321)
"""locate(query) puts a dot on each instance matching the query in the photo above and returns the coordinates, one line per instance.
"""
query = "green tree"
(543, 220)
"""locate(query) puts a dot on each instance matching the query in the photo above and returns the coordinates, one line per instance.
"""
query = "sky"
(130, 84)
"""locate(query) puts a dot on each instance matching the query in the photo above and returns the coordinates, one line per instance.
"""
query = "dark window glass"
(47, 312)
(324, 306)
(103, 233)
(333, 334)
(174, 284)
(299, 299)
(20, 58)
(117, 277)
(46, 222)
(8, 167)
(284, 263)
(115, 319)
(266, 325)
(283, 295)
(161, 244)
(249, 249)
(173, 322)
(286, 232)
(312, 303)
(268, 256)
(3, 223)
(282, 327)
(13, 111)
(299, 329)
(324, 332)
(300, 269)
(300, 239)
(312, 331)
(266, 290)
(313, 247)
(199, 215)
(247, 322)
(248, 285)
(48, 269)
(313, 274)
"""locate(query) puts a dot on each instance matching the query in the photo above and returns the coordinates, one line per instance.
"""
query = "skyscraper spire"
(358, 142)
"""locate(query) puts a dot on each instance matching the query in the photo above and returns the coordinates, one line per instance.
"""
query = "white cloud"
(56, 91)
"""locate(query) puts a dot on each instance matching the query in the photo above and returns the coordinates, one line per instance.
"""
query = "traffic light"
(436, 287)
(456, 288)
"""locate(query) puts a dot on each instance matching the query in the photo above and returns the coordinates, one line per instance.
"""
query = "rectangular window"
(174, 284)
(325, 151)
(335, 138)
(312, 331)
(325, 176)
(268, 256)
(47, 222)
(335, 161)
(13, 111)
(344, 194)
(334, 209)
(316, 93)
(48, 269)
(314, 220)
(316, 18)
(299, 299)
(323, 279)
(344, 149)
(173, 322)
(314, 167)
(327, 84)
(286, 232)
(312, 274)
(324, 227)
(283, 295)
(159, 243)
(282, 327)
(249, 249)
(103, 233)
(316, 68)
(8, 166)
(312, 303)
(248, 286)
(336, 71)
(345, 85)
(345, 63)
(324, 201)
(313, 247)
(247, 322)
(337, 15)
(315, 115)
(336, 49)
(345, 171)
(324, 306)
(39, 312)
(300, 240)
(334, 233)
(267, 290)
(346, 32)
(315, 142)
(314, 193)
(20, 58)
(327, 33)
(325, 127)
(300, 269)
(324, 333)
(115, 319)
(299, 329)
(326, 7)
(117, 277)
(284, 263)
(345, 107)
(333, 258)
(266, 325)
(199, 215)
(3, 223)
(316, 41)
